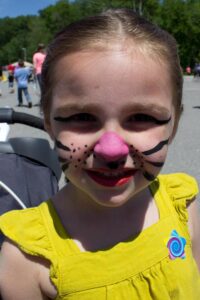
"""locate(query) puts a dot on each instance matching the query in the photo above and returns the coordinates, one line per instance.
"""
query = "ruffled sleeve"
(182, 189)
(26, 229)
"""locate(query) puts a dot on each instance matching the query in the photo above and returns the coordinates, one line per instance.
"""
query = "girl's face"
(112, 118)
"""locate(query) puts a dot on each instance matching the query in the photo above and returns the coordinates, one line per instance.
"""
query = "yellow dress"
(157, 264)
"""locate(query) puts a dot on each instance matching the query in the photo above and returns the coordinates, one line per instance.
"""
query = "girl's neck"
(94, 227)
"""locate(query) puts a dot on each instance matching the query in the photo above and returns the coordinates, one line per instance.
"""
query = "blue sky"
(14, 8)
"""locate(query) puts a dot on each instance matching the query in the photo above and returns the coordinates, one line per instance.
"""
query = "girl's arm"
(23, 277)
(194, 229)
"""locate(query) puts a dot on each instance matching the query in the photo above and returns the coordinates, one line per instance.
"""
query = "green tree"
(13, 38)
(59, 15)
(39, 33)
(182, 19)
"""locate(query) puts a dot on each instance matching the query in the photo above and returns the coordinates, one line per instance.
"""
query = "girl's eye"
(142, 118)
(80, 117)
(141, 122)
(80, 122)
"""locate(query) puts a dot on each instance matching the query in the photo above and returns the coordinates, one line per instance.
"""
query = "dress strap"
(173, 192)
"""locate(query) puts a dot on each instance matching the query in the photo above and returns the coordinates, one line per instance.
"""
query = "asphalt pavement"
(10, 100)
(184, 152)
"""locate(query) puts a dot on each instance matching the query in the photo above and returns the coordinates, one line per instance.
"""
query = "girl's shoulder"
(34, 238)
(175, 191)
(178, 186)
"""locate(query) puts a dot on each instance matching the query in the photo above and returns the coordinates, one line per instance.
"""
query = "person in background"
(188, 70)
(38, 59)
(21, 75)
(118, 229)
(1, 78)
(11, 70)
(197, 70)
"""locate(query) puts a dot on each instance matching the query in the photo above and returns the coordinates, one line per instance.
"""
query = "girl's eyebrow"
(129, 108)
(147, 108)
(70, 107)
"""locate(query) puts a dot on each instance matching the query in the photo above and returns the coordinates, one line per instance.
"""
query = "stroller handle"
(9, 116)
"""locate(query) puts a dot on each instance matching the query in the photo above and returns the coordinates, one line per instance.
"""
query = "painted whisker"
(61, 159)
(65, 166)
(155, 163)
(61, 146)
(149, 176)
(157, 148)
(61, 119)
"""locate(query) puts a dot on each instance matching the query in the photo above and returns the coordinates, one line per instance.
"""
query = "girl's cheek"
(72, 154)
(149, 145)
(150, 153)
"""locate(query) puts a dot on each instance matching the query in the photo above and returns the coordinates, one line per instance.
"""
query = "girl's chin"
(107, 192)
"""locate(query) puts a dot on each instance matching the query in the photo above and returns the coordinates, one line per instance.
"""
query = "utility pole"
(138, 6)
(25, 53)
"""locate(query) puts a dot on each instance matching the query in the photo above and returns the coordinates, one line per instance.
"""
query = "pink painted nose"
(111, 147)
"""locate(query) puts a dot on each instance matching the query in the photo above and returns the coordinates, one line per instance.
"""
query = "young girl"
(111, 96)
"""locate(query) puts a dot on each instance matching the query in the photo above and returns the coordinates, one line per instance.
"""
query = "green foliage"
(38, 33)
(182, 20)
(60, 15)
(13, 37)
(180, 17)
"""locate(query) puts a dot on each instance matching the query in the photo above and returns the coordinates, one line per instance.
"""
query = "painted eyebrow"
(62, 113)
(93, 107)
(147, 108)
(76, 107)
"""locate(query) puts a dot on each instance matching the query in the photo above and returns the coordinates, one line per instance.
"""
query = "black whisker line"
(155, 163)
(113, 165)
(162, 122)
(65, 167)
(61, 146)
(60, 119)
(148, 176)
(156, 148)
(61, 159)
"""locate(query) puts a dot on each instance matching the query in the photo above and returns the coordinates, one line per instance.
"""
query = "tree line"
(20, 36)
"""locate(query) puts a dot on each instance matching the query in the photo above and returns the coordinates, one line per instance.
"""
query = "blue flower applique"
(176, 245)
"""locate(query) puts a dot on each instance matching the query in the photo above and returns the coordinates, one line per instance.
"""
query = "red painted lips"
(109, 178)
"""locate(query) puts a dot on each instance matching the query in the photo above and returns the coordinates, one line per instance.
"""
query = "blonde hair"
(101, 31)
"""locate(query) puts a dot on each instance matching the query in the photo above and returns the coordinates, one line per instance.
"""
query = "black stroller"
(29, 167)
(30, 170)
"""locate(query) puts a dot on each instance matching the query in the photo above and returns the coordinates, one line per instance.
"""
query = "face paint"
(162, 122)
(61, 146)
(158, 147)
(60, 119)
(114, 165)
(111, 147)
(65, 162)
(155, 149)
(155, 163)
(141, 158)
(148, 176)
